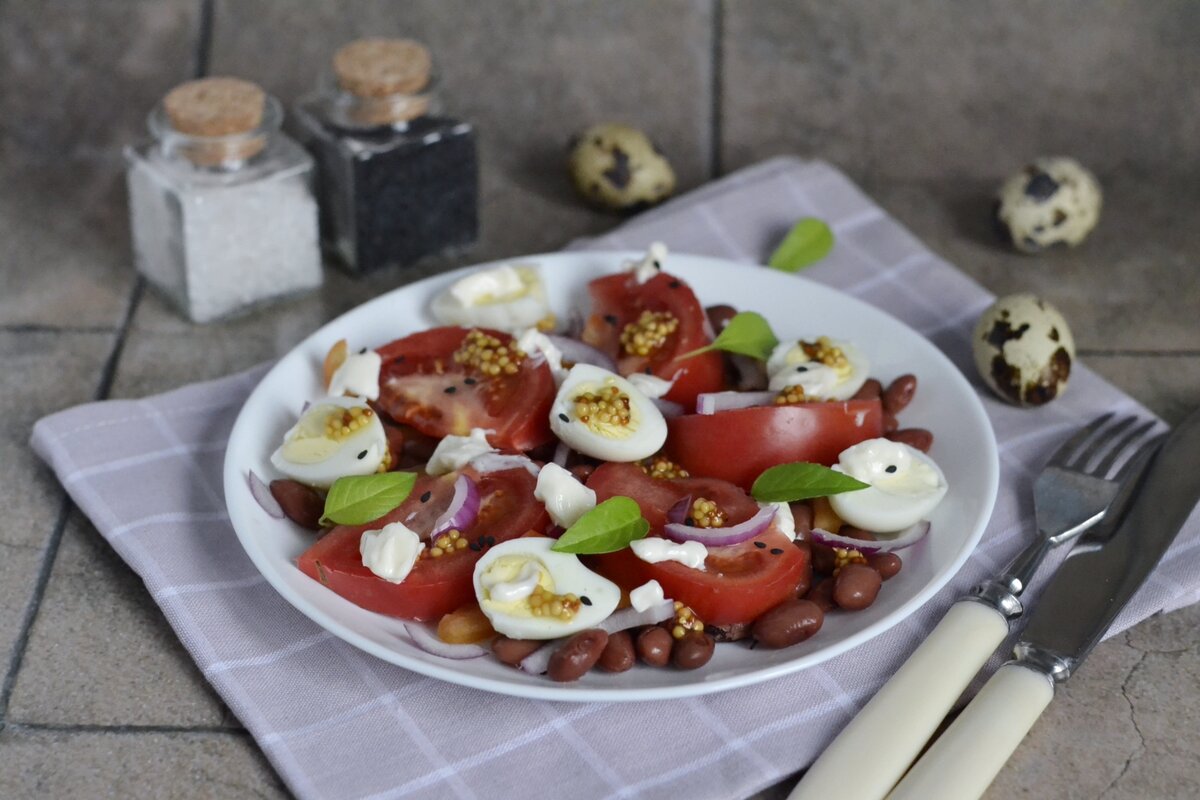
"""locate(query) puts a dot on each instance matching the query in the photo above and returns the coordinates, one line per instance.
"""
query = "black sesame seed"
(691, 523)
(450, 389)
(587, 601)
(362, 455)
(564, 417)
(470, 381)
(760, 545)
(648, 371)
(776, 551)
(425, 497)
(611, 319)
(801, 368)
(363, 351)
(674, 284)
(753, 643)
(399, 359)
(890, 468)
(656, 264)
(475, 546)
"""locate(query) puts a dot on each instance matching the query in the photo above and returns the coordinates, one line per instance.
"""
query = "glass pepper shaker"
(397, 181)
(221, 206)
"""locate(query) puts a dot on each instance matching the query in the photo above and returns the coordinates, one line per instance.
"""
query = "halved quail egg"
(335, 437)
(905, 486)
(506, 298)
(600, 414)
(826, 369)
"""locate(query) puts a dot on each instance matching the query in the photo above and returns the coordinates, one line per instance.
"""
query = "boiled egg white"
(506, 298)
(600, 414)
(826, 369)
(521, 583)
(335, 437)
(905, 486)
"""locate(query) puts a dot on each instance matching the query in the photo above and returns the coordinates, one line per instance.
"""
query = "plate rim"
(233, 477)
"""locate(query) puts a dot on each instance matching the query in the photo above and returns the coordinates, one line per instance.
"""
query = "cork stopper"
(380, 67)
(219, 113)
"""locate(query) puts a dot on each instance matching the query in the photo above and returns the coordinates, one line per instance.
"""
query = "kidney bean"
(577, 655)
(886, 564)
(802, 513)
(788, 623)
(301, 504)
(733, 632)
(654, 646)
(823, 559)
(890, 423)
(851, 532)
(899, 394)
(856, 587)
(581, 471)
(806, 576)
(618, 654)
(693, 651)
(513, 651)
(871, 390)
(913, 437)
(719, 316)
(821, 594)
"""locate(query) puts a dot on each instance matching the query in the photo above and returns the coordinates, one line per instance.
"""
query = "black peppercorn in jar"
(398, 181)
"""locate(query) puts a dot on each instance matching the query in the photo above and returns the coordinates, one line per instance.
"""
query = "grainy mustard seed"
(648, 333)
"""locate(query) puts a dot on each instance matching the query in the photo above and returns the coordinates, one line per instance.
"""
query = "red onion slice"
(536, 662)
(463, 508)
(630, 617)
(562, 452)
(498, 462)
(679, 511)
(722, 537)
(577, 352)
(712, 402)
(430, 643)
(905, 538)
(262, 493)
(668, 408)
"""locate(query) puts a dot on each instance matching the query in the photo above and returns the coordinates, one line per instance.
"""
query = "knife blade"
(1077, 607)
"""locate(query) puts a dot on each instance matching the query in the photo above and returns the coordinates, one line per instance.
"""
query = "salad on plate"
(637, 487)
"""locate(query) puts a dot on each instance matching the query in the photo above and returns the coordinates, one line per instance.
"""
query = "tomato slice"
(618, 300)
(421, 385)
(737, 445)
(739, 582)
(435, 586)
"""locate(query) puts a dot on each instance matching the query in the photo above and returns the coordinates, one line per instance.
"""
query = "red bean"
(806, 576)
(886, 564)
(856, 587)
(899, 394)
(823, 559)
(822, 595)
(301, 504)
(693, 651)
(618, 654)
(919, 438)
(654, 646)
(802, 513)
(889, 422)
(788, 623)
(513, 651)
(577, 655)
(871, 390)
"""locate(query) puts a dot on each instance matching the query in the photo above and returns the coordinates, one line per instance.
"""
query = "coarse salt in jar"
(221, 208)
(397, 180)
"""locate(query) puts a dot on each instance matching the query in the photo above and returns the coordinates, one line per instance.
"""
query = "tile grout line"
(204, 39)
(1119, 353)
(103, 388)
(716, 67)
(50, 727)
(21, 327)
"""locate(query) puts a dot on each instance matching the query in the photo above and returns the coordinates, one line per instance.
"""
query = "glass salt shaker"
(222, 212)
(397, 180)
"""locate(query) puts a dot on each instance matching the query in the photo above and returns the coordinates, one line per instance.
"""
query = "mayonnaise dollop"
(654, 549)
(391, 551)
(647, 595)
(565, 498)
(358, 375)
(455, 452)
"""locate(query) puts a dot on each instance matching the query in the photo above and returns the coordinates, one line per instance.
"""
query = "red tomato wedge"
(421, 385)
(618, 300)
(436, 586)
(737, 445)
(739, 582)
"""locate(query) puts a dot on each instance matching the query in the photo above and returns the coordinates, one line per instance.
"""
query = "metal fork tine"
(1098, 444)
(1119, 448)
(1144, 451)
(1064, 453)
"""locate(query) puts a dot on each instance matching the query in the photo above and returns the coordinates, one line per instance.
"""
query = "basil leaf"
(747, 334)
(608, 527)
(358, 499)
(787, 483)
(807, 242)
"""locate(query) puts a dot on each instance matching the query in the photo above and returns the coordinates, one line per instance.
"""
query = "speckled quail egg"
(1051, 201)
(602, 415)
(528, 591)
(618, 167)
(1024, 349)
(335, 437)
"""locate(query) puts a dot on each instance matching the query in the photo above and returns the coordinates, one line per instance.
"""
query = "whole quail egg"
(1024, 349)
(618, 167)
(1051, 201)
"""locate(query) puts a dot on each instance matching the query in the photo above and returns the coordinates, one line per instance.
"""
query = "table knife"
(1077, 607)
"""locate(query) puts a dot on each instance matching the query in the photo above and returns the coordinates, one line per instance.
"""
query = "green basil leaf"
(787, 483)
(807, 242)
(747, 334)
(608, 527)
(358, 499)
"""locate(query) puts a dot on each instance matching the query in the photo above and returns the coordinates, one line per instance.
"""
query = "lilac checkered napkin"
(337, 723)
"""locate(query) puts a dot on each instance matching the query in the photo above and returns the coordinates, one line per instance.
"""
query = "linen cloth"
(337, 723)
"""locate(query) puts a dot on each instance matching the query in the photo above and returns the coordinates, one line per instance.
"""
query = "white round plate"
(945, 404)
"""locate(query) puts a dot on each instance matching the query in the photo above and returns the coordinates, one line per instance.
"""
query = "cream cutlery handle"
(873, 751)
(966, 758)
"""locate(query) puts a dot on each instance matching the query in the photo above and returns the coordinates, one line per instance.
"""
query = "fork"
(1070, 495)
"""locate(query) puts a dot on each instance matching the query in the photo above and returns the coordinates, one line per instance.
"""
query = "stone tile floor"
(98, 699)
